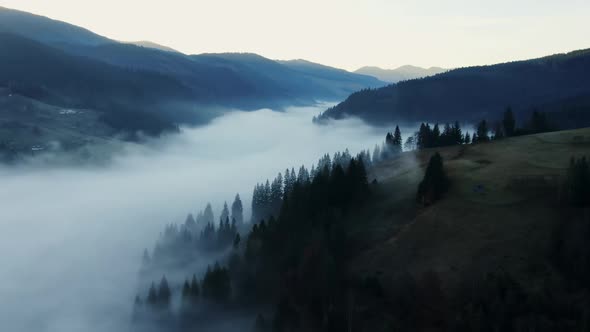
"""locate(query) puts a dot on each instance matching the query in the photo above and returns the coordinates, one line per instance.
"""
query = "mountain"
(66, 65)
(46, 30)
(402, 73)
(474, 93)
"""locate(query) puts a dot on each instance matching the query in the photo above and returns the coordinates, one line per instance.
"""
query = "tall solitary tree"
(435, 182)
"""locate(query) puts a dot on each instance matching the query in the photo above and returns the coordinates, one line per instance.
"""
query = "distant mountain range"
(558, 83)
(65, 65)
(402, 73)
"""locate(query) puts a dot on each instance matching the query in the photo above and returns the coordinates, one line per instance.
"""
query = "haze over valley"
(223, 166)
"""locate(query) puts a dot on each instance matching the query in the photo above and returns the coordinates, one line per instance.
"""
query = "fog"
(72, 236)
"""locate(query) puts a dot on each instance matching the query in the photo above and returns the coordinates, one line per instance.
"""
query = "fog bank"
(72, 236)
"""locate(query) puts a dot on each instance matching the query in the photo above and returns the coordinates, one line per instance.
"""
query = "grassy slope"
(19, 116)
(507, 226)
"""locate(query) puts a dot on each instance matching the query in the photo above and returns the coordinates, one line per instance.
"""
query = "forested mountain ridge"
(473, 93)
(130, 82)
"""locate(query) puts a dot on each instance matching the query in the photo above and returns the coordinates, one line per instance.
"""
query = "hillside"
(500, 215)
(474, 93)
(402, 73)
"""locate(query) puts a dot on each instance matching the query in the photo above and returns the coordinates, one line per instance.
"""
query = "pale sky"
(341, 33)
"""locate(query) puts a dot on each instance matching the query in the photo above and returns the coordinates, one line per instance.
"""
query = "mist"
(72, 235)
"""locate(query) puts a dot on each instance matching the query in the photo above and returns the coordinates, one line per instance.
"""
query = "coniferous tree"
(208, 217)
(435, 136)
(467, 139)
(237, 210)
(474, 138)
(164, 294)
(224, 211)
(435, 182)
(482, 132)
(498, 131)
(508, 122)
(397, 140)
(410, 143)
(152, 298)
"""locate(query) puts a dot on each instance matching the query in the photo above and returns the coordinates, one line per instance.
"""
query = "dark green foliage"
(430, 138)
(435, 182)
(216, 285)
(509, 122)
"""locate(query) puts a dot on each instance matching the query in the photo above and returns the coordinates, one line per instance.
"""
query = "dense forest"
(555, 83)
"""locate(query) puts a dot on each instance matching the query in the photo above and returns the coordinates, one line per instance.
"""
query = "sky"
(341, 33)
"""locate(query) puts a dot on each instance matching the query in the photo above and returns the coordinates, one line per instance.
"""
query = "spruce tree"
(467, 139)
(435, 182)
(237, 210)
(224, 211)
(152, 298)
(208, 214)
(508, 122)
(397, 140)
(164, 294)
(482, 132)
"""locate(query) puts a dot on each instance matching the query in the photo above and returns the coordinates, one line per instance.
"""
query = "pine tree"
(435, 182)
(508, 122)
(482, 132)
(208, 214)
(435, 138)
(467, 139)
(164, 294)
(397, 140)
(237, 210)
(224, 212)
(190, 223)
(152, 298)
(457, 134)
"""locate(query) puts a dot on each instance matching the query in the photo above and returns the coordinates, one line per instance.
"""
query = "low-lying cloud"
(72, 236)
